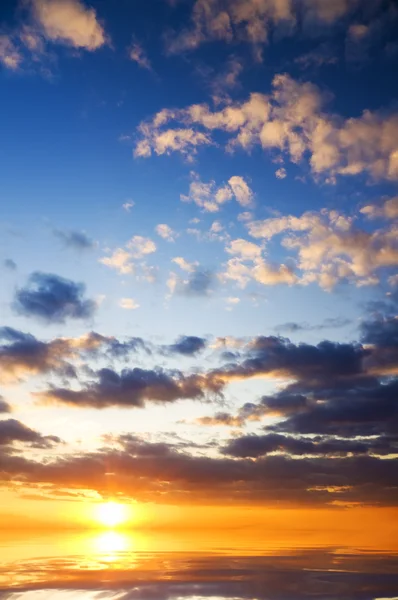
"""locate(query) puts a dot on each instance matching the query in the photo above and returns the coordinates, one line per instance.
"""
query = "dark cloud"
(4, 406)
(135, 387)
(13, 431)
(331, 323)
(199, 283)
(151, 473)
(9, 264)
(78, 240)
(279, 356)
(188, 345)
(53, 299)
(254, 446)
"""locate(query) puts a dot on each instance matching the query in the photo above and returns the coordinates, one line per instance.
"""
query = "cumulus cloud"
(330, 246)
(10, 56)
(292, 122)
(211, 197)
(198, 283)
(126, 260)
(133, 388)
(188, 345)
(165, 232)
(69, 22)
(189, 267)
(53, 299)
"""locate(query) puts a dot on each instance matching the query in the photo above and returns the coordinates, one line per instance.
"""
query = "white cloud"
(210, 197)
(386, 210)
(127, 206)
(281, 173)
(185, 265)
(120, 260)
(140, 246)
(166, 232)
(128, 304)
(291, 121)
(69, 22)
(244, 249)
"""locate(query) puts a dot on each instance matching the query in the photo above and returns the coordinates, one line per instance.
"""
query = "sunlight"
(111, 514)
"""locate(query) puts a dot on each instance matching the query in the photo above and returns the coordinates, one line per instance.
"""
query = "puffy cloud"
(244, 249)
(120, 260)
(22, 354)
(133, 388)
(53, 299)
(281, 173)
(386, 210)
(210, 197)
(69, 22)
(291, 121)
(128, 304)
(138, 55)
(13, 431)
(127, 206)
(125, 261)
(188, 345)
(185, 141)
(331, 248)
(78, 240)
(165, 232)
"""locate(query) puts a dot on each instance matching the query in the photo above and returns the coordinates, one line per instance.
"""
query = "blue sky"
(207, 168)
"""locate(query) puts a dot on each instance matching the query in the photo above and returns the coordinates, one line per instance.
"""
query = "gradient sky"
(198, 255)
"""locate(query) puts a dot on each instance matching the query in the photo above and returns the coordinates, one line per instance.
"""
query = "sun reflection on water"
(111, 544)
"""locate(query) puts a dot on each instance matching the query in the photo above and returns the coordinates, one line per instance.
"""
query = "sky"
(198, 257)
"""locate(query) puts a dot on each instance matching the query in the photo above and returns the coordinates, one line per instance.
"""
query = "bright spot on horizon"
(111, 514)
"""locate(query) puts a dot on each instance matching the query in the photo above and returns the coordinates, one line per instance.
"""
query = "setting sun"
(111, 514)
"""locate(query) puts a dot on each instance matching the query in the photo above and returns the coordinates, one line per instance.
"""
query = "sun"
(111, 514)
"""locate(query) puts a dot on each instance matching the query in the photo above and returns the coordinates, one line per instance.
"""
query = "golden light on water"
(111, 514)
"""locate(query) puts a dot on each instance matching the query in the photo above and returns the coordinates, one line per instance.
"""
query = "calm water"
(114, 565)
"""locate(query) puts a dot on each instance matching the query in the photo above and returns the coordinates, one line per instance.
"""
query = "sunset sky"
(198, 259)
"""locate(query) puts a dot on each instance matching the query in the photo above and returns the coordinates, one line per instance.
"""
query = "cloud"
(125, 260)
(185, 265)
(165, 232)
(138, 55)
(281, 174)
(133, 388)
(4, 406)
(10, 55)
(78, 240)
(127, 206)
(10, 264)
(329, 323)
(290, 121)
(13, 431)
(22, 354)
(198, 283)
(188, 345)
(69, 22)
(181, 140)
(53, 299)
(386, 210)
(210, 197)
(128, 304)
(330, 247)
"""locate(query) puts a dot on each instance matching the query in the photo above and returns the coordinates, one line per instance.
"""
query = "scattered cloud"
(281, 173)
(138, 55)
(53, 299)
(166, 232)
(188, 345)
(77, 240)
(210, 198)
(127, 206)
(290, 121)
(128, 304)
(13, 431)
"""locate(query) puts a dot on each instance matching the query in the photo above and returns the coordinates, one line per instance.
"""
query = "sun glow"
(111, 514)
